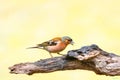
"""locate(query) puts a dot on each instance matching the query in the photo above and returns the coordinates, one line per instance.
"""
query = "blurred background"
(24, 23)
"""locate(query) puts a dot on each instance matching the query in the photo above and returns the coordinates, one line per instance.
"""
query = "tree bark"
(86, 58)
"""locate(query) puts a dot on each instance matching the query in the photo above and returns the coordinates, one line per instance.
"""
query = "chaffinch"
(55, 45)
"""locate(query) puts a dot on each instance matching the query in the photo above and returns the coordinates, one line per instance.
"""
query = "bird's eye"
(70, 40)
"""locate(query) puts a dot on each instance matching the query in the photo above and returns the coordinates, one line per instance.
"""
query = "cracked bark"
(86, 58)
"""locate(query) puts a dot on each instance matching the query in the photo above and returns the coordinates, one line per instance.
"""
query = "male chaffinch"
(55, 45)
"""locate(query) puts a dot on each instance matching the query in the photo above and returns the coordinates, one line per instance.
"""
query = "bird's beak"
(72, 43)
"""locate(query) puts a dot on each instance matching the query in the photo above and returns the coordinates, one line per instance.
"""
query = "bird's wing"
(52, 43)
(47, 43)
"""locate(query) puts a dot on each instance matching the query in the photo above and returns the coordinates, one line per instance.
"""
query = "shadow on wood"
(86, 58)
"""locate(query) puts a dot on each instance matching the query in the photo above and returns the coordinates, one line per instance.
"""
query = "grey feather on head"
(67, 38)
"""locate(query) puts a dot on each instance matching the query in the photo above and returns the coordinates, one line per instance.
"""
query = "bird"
(55, 45)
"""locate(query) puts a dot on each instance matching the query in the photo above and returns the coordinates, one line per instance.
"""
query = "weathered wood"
(87, 58)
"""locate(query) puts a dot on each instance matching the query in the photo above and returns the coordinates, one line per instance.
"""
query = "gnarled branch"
(88, 58)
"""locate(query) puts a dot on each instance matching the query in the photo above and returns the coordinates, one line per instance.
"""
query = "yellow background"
(24, 23)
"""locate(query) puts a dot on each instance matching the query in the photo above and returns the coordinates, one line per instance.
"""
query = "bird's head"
(67, 40)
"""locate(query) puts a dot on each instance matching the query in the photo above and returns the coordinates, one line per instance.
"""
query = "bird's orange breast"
(57, 48)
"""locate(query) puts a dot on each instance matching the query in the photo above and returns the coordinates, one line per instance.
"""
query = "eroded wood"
(86, 58)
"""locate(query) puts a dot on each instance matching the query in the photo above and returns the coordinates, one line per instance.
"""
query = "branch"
(87, 58)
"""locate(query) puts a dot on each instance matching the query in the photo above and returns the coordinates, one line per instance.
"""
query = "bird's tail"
(32, 47)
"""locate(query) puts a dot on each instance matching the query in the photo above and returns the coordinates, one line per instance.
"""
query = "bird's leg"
(51, 55)
(61, 54)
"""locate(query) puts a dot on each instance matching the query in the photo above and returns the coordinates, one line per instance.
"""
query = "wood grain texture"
(86, 58)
